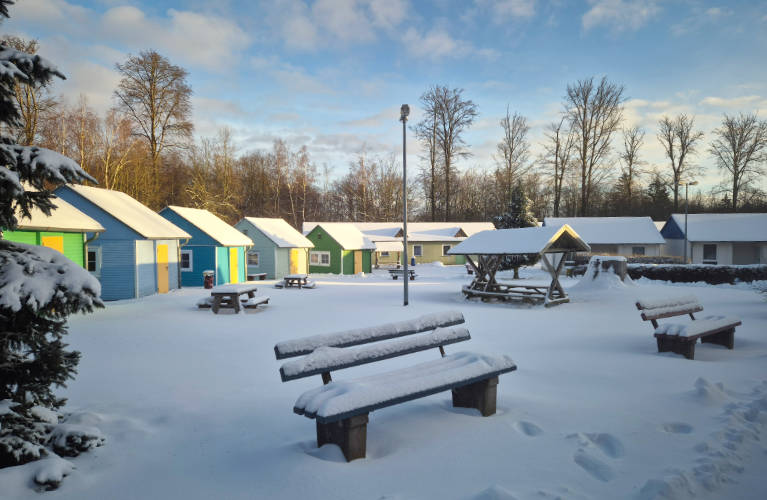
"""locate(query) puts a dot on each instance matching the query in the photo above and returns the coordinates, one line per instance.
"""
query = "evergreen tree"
(517, 215)
(39, 287)
(658, 199)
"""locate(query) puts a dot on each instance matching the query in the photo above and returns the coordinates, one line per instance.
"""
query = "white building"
(625, 236)
(723, 239)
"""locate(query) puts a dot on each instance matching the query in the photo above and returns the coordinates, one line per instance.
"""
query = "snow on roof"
(213, 226)
(724, 227)
(469, 228)
(347, 235)
(385, 231)
(611, 230)
(428, 236)
(522, 240)
(64, 217)
(280, 232)
(130, 212)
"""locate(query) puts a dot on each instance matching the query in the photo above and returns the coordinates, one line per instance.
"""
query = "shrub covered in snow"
(39, 287)
(712, 275)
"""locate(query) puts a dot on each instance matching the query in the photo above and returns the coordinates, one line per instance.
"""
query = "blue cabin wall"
(265, 248)
(203, 259)
(671, 230)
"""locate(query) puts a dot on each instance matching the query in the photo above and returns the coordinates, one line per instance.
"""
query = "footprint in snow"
(677, 428)
(528, 428)
(606, 443)
(597, 468)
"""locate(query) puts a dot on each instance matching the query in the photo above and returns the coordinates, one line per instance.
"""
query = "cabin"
(139, 251)
(721, 239)
(278, 249)
(65, 230)
(626, 236)
(339, 248)
(215, 246)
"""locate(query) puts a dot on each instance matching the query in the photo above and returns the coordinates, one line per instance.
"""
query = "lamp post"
(686, 184)
(404, 111)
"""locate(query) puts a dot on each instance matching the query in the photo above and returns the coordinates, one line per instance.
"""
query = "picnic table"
(228, 296)
(396, 273)
(299, 280)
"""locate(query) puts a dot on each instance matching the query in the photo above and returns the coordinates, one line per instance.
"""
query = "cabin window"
(637, 250)
(319, 258)
(709, 254)
(417, 250)
(384, 254)
(93, 263)
(186, 260)
(445, 249)
(253, 259)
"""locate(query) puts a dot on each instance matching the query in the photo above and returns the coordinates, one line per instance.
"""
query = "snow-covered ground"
(192, 406)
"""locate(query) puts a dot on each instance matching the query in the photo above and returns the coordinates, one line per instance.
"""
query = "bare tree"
(740, 149)
(453, 115)
(512, 152)
(633, 138)
(595, 113)
(679, 140)
(156, 96)
(558, 151)
(426, 133)
(33, 100)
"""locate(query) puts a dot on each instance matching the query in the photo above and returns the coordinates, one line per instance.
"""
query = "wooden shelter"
(490, 248)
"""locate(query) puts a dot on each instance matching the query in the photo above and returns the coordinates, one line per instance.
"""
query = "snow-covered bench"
(680, 338)
(396, 273)
(341, 408)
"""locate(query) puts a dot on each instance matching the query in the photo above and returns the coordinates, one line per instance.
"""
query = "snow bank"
(597, 278)
(51, 471)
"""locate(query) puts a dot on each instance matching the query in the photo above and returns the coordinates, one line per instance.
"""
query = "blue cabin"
(278, 249)
(214, 246)
(138, 252)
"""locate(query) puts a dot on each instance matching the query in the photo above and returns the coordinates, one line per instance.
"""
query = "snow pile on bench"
(290, 348)
(338, 400)
(663, 302)
(324, 358)
(697, 327)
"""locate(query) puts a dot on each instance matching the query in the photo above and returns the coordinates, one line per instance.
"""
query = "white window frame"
(713, 261)
(97, 251)
(258, 258)
(417, 250)
(384, 254)
(634, 252)
(319, 254)
(190, 268)
(444, 253)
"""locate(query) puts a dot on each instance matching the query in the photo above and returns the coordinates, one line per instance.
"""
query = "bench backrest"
(331, 352)
(654, 309)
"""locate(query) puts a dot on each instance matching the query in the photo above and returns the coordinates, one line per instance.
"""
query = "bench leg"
(725, 338)
(480, 395)
(216, 304)
(677, 345)
(350, 435)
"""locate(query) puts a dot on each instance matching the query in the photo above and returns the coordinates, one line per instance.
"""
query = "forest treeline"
(592, 162)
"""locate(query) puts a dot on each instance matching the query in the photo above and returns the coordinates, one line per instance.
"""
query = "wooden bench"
(257, 276)
(680, 338)
(396, 273)
(228, 297)
(341, 408)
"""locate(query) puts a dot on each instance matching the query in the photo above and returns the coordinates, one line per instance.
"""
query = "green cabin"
(339, 248)
(64, 230)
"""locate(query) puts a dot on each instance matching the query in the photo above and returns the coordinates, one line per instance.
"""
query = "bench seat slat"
(648, 303)
(327, 359)
(670, 311)
(339, 400)
(698, 327)
(358, 336)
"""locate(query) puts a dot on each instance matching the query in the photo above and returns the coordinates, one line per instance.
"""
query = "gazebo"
(491, 247)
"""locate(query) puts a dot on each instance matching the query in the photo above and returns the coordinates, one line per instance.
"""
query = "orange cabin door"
(357, 261)
(54, 242)
(163, 269)
(234, 275)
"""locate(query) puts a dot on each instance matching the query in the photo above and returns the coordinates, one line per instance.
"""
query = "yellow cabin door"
(294, 261)
(234, 276)
(162, 268)
(54, 242)
(357, 261)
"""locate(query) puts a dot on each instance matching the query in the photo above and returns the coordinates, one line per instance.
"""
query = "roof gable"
(346, 235)
(280, 232)
(212, 225)
(526, 240)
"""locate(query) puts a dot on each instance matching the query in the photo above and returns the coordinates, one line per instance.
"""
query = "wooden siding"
(146, 267)
(203, 259)
(264, 246)
(199, 237)
(324, 243)
(74, 243)
(117, 277)
(172, 261)
(432, 252)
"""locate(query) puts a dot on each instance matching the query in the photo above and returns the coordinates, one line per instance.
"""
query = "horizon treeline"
(592, 162)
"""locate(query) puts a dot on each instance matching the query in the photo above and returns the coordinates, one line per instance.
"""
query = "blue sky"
(332, 74)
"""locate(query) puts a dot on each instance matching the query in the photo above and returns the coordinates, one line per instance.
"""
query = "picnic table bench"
(680, 338)
(228, 296)
(256, 276)
(296, 280)
(341, 408)
(396, 273)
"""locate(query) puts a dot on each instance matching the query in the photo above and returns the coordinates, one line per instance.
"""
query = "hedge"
(712, 275)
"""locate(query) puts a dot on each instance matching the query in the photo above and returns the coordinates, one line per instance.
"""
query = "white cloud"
(290, 77)
(344, 20)
(388, 13)
(438, 44)
(732, 102)
(619, 15)
(514, 8)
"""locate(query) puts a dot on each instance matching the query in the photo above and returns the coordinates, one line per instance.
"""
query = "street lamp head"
(404, 111)
(688, 183)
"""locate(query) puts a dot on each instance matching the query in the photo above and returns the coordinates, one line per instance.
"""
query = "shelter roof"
(611, 230)
(527, 240)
